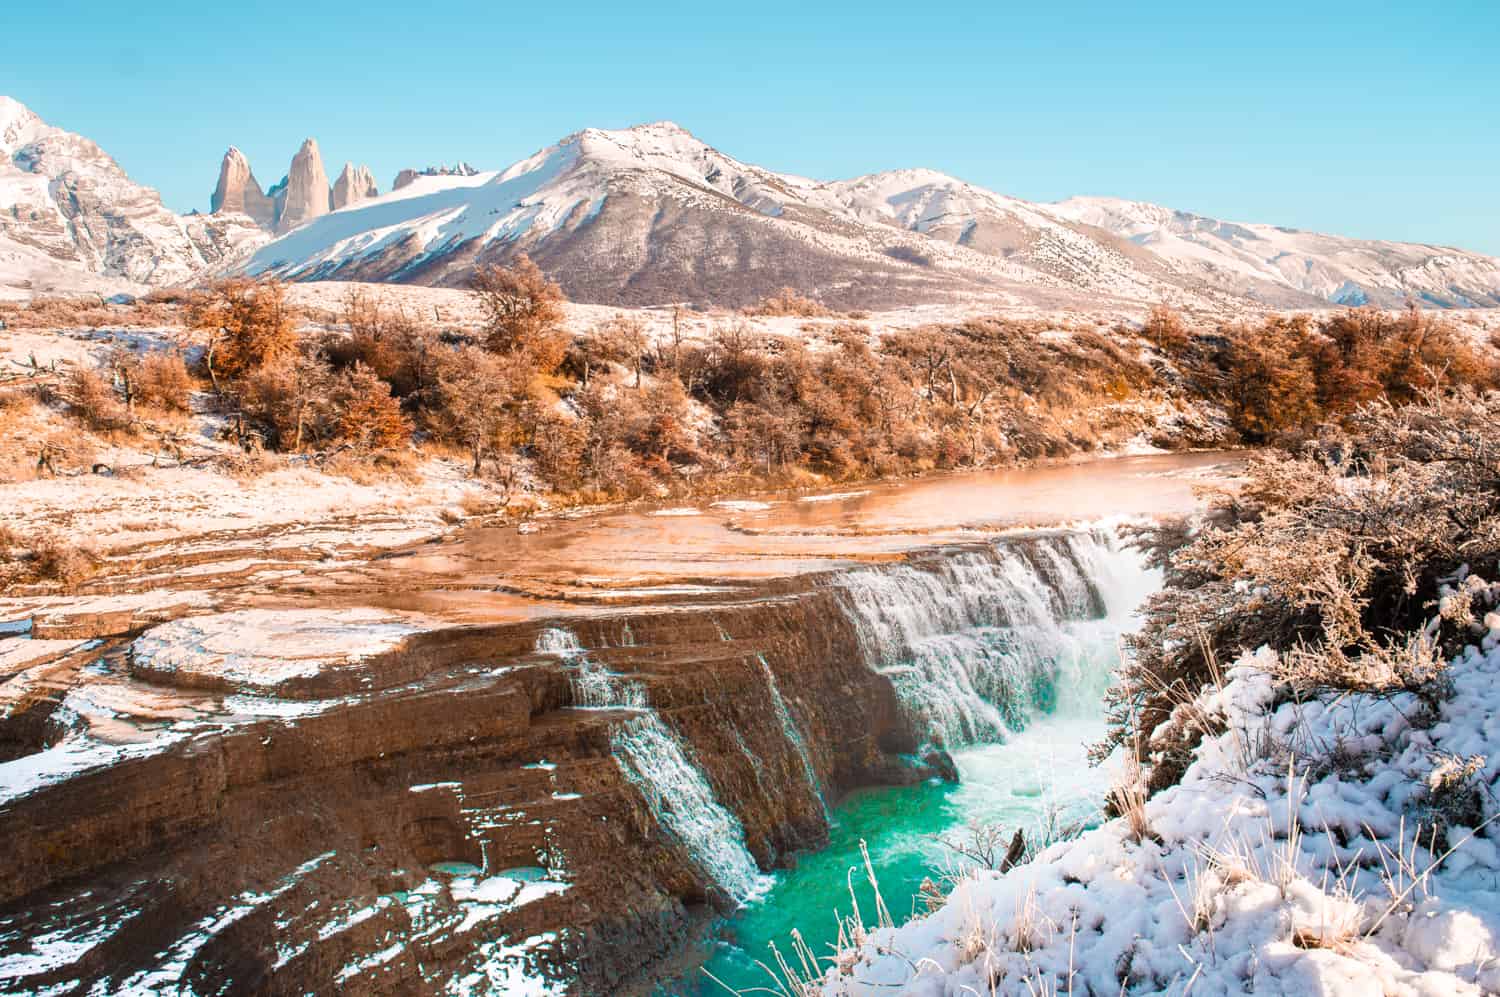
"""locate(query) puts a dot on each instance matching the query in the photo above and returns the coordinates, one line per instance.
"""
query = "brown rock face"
(239, 192)
(289, 853)
(306, 194)
(354, 184)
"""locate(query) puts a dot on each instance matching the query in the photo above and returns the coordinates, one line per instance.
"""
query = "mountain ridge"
(652, 214)
(592, 209)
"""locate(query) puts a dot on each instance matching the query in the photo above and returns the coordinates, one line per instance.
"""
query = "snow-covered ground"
(158, 504)
(1328, 845)
(266, 650)
(456, 306)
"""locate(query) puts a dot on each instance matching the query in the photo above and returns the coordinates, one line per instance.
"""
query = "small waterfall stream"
(793, 734)
(594, 686)
(654, 760)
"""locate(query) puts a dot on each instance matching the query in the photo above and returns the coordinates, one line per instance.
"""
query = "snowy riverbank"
(1316, 846)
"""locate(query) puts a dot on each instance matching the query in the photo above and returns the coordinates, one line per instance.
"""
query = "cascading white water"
(654, 760)
(683, 802)
(556, 640)
(793, 734)
(1076, 596)
(975, 642)
(594, 686)
(1003, 653)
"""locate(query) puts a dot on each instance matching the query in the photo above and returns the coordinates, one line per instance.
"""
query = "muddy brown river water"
(705, 551)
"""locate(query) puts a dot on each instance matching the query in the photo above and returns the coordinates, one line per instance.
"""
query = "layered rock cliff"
(294, 801)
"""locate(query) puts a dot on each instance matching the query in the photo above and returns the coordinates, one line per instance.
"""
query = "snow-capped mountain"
(947, 209)
(1253, 258)
(70, 216)
(652, 213)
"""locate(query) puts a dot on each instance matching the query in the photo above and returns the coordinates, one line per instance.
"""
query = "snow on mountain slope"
(652, 213)
(945, 208)
(1328, 267)
(63, 199)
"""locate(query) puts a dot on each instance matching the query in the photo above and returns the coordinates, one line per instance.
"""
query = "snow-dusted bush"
(92, 400)
(250, 325)
(162, 380)
(1278, 377)
(1334, 556)
(788, 302)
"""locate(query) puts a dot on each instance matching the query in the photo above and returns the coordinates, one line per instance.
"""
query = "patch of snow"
(835, 496)
(266, 649)
(18, 652)
(742, 505)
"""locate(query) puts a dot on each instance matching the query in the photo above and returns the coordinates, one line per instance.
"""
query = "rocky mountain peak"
(355, 184)
(239, 192)
(307, 195)
(68, 203)
(19, 125)
(406, 176)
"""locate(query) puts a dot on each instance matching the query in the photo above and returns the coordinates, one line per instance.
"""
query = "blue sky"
(1369, 119)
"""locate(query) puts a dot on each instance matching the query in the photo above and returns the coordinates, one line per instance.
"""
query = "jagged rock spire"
(355, 184)
(307, 195)
(239, 192)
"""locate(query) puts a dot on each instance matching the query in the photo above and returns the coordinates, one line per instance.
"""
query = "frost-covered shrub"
(92, 400)
(788, 302)
(162, 380)
(1279, 377)
(1347, 556)
(250, 325)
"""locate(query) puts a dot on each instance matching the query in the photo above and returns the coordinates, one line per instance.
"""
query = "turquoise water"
(1040, 772)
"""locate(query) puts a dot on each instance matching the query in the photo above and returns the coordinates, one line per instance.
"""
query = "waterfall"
(594, 686)
(975, 643)
(654, 760)
(558, 641)
(683, 802)
(793, 734)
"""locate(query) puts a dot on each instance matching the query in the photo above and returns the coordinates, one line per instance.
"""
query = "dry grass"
(788, 302)
(371, 469)
(92, 313)
(30, 558)
(1127, 799)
